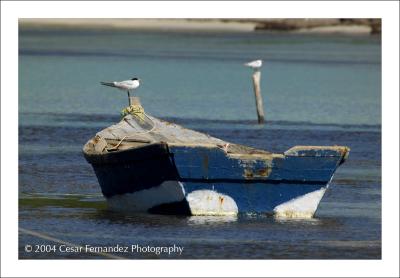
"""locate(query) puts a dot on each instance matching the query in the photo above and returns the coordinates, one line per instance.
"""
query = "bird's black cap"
(134, 78)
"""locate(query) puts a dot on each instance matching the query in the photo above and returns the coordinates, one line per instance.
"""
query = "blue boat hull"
(199, 180)
(234, 198)
(258, 197)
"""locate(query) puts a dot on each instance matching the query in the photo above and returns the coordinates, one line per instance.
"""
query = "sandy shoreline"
(322, 26)
(141, 24)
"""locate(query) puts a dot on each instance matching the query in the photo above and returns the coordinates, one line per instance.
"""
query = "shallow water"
(318, 90)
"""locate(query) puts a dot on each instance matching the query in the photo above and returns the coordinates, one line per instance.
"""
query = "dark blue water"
(318, 90)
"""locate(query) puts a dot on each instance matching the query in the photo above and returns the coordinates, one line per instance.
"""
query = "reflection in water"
(83, 220)
(207, 219)
(298, 221)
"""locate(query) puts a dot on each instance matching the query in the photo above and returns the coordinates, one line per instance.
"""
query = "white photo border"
(12, 11)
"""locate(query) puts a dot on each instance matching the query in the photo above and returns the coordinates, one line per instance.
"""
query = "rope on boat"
(135, 111)
(56, 240)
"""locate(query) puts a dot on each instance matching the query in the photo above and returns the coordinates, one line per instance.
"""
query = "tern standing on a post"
(256, 66)
(127, 85)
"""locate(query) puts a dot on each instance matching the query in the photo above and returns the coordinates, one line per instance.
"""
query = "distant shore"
(322, 26)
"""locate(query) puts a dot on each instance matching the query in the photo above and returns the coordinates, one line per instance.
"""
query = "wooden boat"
(146, 164)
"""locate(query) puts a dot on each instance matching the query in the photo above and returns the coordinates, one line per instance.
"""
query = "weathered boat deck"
(134, 132)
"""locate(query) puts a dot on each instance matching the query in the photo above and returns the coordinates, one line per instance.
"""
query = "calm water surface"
(318, 90)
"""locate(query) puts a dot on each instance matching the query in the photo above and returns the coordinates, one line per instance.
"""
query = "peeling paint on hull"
(210, 202)
(183, 183)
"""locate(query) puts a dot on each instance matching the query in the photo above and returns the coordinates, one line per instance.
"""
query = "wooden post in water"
(256, 66)
(257, 94)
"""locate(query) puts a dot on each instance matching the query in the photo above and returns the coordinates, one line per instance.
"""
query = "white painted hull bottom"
(212, 202)
(301, 207)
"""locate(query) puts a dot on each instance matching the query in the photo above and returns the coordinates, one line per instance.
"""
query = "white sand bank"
(143, 24)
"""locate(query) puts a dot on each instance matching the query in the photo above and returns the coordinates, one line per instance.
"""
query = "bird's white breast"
(127, 84)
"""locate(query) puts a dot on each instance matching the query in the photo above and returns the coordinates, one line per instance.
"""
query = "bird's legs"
(129, 97)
